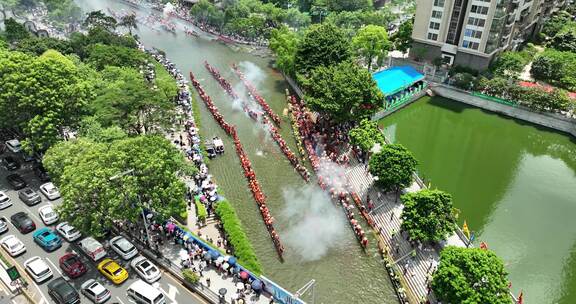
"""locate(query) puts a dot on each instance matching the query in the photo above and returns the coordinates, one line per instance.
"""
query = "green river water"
(514, 183)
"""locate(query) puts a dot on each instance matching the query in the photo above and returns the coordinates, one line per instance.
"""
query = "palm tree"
(129, 21)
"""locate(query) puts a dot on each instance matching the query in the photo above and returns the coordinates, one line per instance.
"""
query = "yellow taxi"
(113, 271)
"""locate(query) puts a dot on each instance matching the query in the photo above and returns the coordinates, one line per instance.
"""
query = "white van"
(145, 293)
(92, 248)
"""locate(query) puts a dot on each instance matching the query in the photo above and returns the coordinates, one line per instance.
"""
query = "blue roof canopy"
(396, 78)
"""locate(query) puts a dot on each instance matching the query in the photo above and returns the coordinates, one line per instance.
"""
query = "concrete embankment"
(549, 120)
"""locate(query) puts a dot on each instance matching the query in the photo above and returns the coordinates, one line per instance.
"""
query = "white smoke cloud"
(316, 225)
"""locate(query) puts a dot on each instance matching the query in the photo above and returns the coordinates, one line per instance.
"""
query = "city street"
(174, 292)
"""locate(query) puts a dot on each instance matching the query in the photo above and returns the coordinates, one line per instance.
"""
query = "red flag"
(483, 246)
(521, 297)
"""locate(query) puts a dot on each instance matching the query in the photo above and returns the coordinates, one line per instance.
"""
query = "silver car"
(123, 247)
(145, 269)
(3, 225)
(95, 291)
(29, 196)
(50, 191)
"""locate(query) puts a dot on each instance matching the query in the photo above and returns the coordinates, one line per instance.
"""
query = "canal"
(319, 243)
(513, 182)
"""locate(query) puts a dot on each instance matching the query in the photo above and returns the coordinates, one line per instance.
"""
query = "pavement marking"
(57, 268)
(171, 294)
(197, 297)
(117, 298)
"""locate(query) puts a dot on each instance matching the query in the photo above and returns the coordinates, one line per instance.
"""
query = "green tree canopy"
(349, 5)
(366, 135)
(556, 67)
(343, 91)
(100, 19)
(129, 22)
(354, 20)
(371, 42)
(41, 95)
(556, 23)
(92, 201)
(565, 39)
(127, 100)
(322, 45)
(14, 31)
(510, 63)
(402, 39)
(38, 45)
(101, 55)
(470, 275)
(393, 166)
(284, 43)
(428, 215)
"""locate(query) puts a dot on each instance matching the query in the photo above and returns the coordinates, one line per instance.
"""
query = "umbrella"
(214, 254)
(240, 286)
(235, 270)
(234, 296)
(257, 285)
(225, 266)
(232, 261)
(220, 260)
(244, 275)
(222, 291)
(183, 254)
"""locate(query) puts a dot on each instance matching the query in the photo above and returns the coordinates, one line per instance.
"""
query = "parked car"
(13, 245)
(50, 191)
(72, 265)
(47, 214)
(95, 291)
(92, 248)
(145, 269)
(41, 173)
(5, 201)
(3, 225)
(144, 293)
(29, 196)
(14, 145)
(123, 247)
(16, 181)
(38, 269)
(68, 232)
(10, 163)
(113, 271)
(47, 239)
(63, 292)
(22, 222)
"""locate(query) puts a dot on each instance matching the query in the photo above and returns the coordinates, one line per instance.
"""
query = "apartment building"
(472, 32)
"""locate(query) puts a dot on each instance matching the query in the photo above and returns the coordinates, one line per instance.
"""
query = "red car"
(72, 265)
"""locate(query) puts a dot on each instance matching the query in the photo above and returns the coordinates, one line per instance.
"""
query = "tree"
(366, 135)
(556, 67)
(510, 63)
(322, 45)
(394, 166)
(344, 92)
(349, 5)
(38, 45)
(352, 21)
(129, 22)
(92, 201)
(41, 96)
(371, 42)
(14, 31)
(402, 39)
(100, 56)
(128, 101)
(100, 19)
(565, 39)
(428, 215)
(470, 275)
(91, 129)
(556, 23)
(284, 43)
(419, 52)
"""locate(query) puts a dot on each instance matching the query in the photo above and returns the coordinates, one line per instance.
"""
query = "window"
(437, 14)
(470, 45)
(435, 25)
(432, 36)
(482, 10)
(473, 33)
(439, 3)
(476, 21)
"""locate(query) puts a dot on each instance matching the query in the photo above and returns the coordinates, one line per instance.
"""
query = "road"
(171, 288)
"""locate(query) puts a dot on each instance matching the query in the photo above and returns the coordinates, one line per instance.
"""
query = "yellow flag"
(466, 230)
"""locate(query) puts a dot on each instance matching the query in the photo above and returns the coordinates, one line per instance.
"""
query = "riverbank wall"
(549, 120)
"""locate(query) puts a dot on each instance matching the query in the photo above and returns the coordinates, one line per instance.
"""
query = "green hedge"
(237, 237)
(201, 212)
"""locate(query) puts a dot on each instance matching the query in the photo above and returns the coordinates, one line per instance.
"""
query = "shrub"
(201, 212)
(190, 276)
(242, 247)
(463, 81)
(557, 68)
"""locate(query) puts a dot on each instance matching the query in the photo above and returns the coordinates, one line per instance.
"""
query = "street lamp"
(131, 172)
